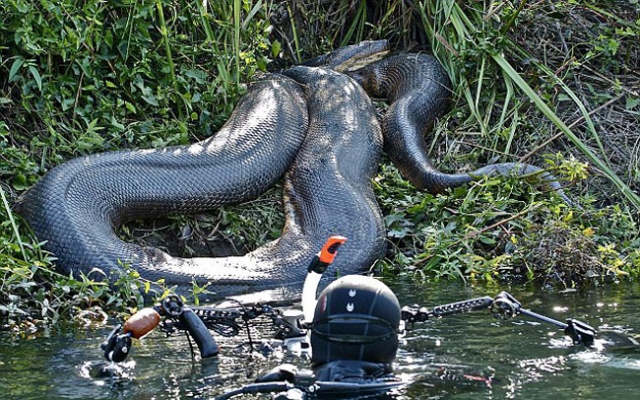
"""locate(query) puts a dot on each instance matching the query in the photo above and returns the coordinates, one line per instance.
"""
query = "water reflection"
(467, 356)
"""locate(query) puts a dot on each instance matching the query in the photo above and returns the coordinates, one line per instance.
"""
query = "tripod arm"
(504, 306)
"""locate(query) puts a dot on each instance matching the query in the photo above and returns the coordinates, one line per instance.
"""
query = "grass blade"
(542, 106)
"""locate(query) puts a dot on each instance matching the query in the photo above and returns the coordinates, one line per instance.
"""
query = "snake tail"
(419, 91)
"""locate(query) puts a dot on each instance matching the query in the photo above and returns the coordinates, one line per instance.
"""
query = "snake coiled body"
(315, 126)
(77, 206)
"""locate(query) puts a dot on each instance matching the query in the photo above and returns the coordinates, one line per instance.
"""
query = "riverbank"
(552, 84)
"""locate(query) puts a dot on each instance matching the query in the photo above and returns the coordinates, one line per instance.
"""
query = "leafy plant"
(550, 83)
(85, 77)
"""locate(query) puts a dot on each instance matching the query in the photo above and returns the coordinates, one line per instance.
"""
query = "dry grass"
(591, 50)
(595, 53)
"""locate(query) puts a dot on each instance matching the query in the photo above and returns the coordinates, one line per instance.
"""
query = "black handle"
(197, 329)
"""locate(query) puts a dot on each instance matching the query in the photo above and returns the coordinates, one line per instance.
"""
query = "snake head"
(350, 58)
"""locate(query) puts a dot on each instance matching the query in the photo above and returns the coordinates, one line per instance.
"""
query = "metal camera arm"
(504, 306)
(117, 345)
(173, 315)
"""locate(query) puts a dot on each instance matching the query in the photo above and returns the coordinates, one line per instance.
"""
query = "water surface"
(522, 358)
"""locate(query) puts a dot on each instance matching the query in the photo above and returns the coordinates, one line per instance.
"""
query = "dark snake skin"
(331, 154)
(313, 125)
(77, 205)
(419, 91)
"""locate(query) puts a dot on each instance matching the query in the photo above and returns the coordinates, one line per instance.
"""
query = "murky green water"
(525, 358)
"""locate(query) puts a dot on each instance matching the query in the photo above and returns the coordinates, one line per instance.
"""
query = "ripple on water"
(467, 356)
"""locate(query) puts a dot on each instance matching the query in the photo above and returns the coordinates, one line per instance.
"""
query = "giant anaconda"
(419, 90)
(312, 124)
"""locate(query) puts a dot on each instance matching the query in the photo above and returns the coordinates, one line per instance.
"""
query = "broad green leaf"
(15, 67)
(36, 76)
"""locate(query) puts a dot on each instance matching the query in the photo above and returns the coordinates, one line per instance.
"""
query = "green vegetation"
(553, 83)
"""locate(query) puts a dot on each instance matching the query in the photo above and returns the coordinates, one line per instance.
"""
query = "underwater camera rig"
(292, 326)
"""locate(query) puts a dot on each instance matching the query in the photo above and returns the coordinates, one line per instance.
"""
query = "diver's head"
(356, 318)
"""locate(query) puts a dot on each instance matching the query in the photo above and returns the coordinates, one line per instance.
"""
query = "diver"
(354, 339)
(352, 330)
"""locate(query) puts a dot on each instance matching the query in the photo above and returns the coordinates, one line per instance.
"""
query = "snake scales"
(312, 124)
